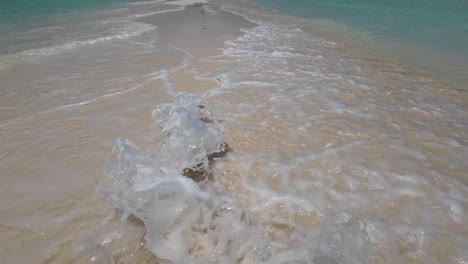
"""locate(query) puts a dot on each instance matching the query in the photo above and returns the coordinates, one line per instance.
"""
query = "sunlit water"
(17, 13)
(431, 35)
(320, 152)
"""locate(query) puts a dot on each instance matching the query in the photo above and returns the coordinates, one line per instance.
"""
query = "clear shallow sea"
(335, 154)
(430, 34)
(437, 23)
(17, 12)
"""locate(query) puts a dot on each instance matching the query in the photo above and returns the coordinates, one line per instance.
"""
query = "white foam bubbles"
(191, 131)
(184, 220)
(306, 126)
(200, 222)
(132, 29)
(317, 132)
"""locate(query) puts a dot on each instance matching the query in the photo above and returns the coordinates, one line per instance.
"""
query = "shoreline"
(316, 125)
(78, 102)
(444, 65)
(201, 29)
(389, 50)
(185, 2)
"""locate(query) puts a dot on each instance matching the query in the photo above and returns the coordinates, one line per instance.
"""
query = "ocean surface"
(430, 34)
(17, 12)
(442, 24)
(141, 132)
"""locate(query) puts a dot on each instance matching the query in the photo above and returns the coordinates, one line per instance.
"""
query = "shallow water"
(333, 155)
(436, 23)
(430, 35)
(14, 13)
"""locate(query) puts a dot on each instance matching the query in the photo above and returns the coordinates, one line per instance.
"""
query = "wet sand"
(324, 136)
(202, 31)
(53, 152)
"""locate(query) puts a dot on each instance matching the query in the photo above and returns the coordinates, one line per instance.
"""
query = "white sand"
(186, 2)
(200, 32)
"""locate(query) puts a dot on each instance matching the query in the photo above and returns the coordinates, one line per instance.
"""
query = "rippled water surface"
(305, 148)
(430, 35)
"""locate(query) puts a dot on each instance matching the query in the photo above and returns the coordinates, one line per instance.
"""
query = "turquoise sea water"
(432, 33)
(439, 23)
(17, 12)
(336, 154)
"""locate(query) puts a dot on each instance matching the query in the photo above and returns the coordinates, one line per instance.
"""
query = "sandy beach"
(201, 30)
(186, 2)
(66, 146)
(321, 149)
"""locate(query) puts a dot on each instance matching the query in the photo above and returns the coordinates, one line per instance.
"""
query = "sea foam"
(304, 184)
(184, 219)
(190, 221)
